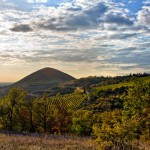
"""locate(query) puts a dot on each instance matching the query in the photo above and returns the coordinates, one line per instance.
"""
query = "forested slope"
(115, 113)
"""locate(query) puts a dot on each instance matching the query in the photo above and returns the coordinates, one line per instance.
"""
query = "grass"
(54, 142)
(20, 142)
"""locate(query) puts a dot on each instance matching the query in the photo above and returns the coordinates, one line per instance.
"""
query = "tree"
(43, 113)
(62, 115)
(118, 128)
(14, 97)
(82, 122)
(28, 105)
(137, 108)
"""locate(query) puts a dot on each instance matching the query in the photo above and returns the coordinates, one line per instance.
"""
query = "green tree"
(29, 107)
(14, 97)
(82, 122)
(62, 115)
(44, 114)
(118, 128)
(137, 108)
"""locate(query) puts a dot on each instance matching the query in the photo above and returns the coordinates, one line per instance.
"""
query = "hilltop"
(46, 75)
(41, 80)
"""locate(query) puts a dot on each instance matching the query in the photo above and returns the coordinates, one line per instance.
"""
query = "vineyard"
(70, 100)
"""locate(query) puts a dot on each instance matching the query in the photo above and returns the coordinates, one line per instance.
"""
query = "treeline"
(111, 80)
(113, 120)
(96, 81)
(89, 82)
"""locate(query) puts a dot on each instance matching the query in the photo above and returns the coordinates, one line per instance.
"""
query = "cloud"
(143, 16)
(37, 1)
(131, 55)
(88, 18)
(74, 9)
(93, 34)
(74, 16)
(21, 28)
(85, 19)
(122, 36)
(146, 2)
(7, 4)
(118, 19)
(144, 45)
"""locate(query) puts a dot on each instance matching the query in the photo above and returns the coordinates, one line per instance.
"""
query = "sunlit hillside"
(112, 111)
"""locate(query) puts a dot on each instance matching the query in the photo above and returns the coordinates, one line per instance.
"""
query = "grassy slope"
(18, 142)
(124, 84)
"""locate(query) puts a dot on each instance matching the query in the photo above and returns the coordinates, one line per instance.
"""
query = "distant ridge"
(40, 80)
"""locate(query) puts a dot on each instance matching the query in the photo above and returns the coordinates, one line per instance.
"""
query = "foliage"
(116, 117)
(120, 127)
(82, 122)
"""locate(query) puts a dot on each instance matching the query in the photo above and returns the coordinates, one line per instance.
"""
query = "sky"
(80, 37)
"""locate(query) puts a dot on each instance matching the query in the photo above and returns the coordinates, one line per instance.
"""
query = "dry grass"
(19, 142)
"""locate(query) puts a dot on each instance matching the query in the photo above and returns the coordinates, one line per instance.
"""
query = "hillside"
(40, 80)
(89, 83)
(46, 75)
(99, 107)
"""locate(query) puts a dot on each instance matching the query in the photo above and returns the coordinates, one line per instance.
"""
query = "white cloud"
(146, 2)
(93, 34)
(143, 16)
(37, 1)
